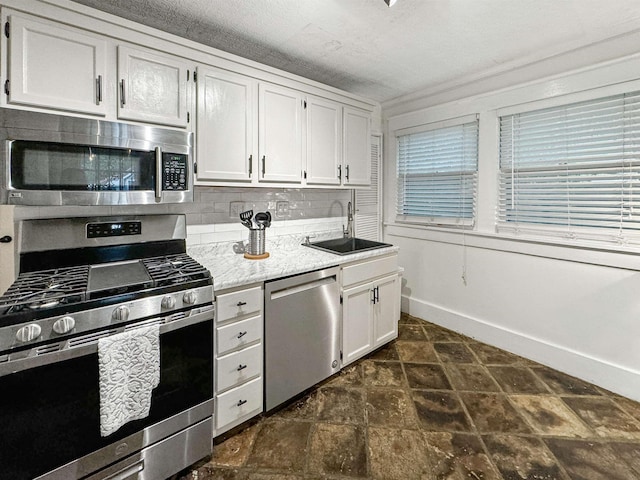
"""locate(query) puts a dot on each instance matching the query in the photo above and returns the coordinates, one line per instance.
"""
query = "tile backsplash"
(220, 205)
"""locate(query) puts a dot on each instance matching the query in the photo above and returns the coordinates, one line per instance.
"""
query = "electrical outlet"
(235, 209)
(282, 209)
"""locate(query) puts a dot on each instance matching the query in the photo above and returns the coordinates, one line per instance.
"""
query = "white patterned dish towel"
(129, 369)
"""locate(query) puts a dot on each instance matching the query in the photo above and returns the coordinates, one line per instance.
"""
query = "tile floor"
(438, 405)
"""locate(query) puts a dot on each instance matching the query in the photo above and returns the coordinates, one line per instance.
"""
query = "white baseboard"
(618, 379)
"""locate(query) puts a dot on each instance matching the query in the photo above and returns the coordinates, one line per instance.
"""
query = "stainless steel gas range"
(82, 280)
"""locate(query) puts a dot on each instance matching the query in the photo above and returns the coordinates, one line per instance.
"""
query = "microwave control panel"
(174, 171)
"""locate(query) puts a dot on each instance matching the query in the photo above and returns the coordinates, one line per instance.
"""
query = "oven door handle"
(159, 171)
(76, 347)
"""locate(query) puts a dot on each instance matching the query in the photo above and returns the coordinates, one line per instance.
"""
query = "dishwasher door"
(302, 333)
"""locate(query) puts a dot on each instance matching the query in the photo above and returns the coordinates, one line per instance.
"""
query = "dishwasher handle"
(303, 287)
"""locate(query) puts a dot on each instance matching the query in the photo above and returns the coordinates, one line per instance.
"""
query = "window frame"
(436, 220)
(554, 231)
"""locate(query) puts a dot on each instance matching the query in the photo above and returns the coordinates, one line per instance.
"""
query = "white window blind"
(437, 173)
(573, 171)
(368, 218)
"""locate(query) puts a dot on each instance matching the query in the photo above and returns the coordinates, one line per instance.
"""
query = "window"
(437, 173)
(573, 171)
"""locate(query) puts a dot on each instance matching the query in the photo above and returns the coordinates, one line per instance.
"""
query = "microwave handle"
(158, 173)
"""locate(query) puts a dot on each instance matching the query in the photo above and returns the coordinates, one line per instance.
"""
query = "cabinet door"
(55, 67)
(280, 138)
(386, 310)
(324, 145)
(357, 147)
(226, 125)
(357, 323)
(7, 248)
(152, 87)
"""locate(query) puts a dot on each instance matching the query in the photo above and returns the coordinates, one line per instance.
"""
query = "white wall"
(574, 307)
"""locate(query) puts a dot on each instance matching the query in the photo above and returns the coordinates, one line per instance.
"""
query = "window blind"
(368, 215)
(573, 171)
(437, 174)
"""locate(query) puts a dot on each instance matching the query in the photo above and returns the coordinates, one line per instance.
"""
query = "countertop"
(287, 256)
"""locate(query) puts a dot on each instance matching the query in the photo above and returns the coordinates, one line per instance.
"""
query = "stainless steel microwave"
(60, 160)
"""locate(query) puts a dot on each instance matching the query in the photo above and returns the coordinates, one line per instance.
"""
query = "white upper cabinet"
(324, 141)
(280, 135)
(357, 147)
(152, 87)
(226, 126)
(55, 67)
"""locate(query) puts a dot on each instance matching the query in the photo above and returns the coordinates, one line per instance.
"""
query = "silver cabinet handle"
(250, 165)
(242, 334)
(122, 97)
(346, 174)
(339, 172)
(264, 164)
(99, 90)
(241, 367)
(240, 403)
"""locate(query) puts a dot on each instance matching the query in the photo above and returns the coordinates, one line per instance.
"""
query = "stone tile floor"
(437, 405)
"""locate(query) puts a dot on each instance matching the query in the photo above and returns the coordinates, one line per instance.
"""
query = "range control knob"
(168, 302)
(121, 313)
(189, 298)
(64, 325)
(28, 333)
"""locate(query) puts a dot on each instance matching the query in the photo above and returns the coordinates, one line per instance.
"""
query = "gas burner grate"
(45, 289)
(174, 270)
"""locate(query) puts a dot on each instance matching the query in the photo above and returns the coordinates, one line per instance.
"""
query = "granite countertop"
(287, 256)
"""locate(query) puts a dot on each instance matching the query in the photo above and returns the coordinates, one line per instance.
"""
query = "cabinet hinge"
(195, 167)
(341, 304)
(7, 29)
(195, 76)
(6, 87)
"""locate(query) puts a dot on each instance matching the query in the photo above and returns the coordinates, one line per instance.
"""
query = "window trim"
(433, 221)
(612, 238)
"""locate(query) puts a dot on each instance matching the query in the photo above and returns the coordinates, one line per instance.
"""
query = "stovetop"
(46, 289)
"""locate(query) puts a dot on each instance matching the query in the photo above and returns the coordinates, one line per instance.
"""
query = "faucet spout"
(348, 232)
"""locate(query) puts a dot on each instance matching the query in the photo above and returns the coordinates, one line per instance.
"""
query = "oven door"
(50, 411)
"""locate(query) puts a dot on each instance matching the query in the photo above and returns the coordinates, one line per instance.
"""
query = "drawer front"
(238, 367)
(238, 402)
(366, 271)
(238, 304)
(238, 334)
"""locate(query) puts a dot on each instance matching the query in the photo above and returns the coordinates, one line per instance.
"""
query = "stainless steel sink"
(345, 246)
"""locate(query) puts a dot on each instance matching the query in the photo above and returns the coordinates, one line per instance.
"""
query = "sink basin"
(344, 246)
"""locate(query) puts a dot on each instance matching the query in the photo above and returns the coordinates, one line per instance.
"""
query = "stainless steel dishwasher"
(302, 333)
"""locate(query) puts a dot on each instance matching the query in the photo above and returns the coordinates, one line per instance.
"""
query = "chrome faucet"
(348, 232)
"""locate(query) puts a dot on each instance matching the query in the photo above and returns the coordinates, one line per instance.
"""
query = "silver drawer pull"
(240, 304)
(242, 334)
(241, 367)
(240, 403)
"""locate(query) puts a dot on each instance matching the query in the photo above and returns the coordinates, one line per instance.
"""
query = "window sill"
(572, 251)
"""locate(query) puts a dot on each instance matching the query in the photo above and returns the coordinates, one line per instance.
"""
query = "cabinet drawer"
(236, 403)
(366, 271)
(238, 334)
(238, 304)
(238, 367)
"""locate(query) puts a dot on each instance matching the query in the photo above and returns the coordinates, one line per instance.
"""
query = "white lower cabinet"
(370, 306)
(238, 357)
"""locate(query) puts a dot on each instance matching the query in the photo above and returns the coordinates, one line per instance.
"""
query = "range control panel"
(115, 229)
(174, 171)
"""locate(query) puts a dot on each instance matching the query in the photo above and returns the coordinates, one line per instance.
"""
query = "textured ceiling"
(381, 53)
